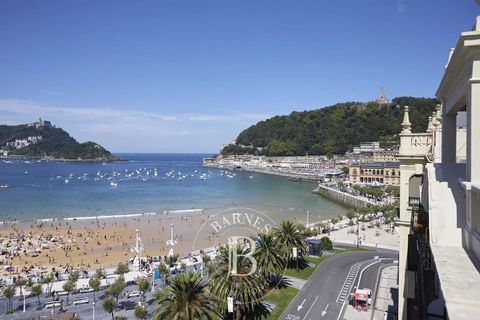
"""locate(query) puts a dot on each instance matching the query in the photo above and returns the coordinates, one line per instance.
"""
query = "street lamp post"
(93, 310)
(308, 218)
(23, 291)
(153, 280)
(231, 306)
(295, 254)
(358, 231)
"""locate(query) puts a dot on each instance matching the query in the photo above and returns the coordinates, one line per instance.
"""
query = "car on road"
(52, 305)
(134, 293)
(83, 300)
(61, 293)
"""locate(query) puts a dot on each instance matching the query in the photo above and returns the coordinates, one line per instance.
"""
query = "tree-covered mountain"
(332, 130)
(53, 143)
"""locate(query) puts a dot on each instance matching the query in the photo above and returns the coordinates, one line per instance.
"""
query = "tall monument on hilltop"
(382, 99)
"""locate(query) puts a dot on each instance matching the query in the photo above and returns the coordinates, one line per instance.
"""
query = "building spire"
(406, 125)
(430, 127)
(438, 115)
(435, 122)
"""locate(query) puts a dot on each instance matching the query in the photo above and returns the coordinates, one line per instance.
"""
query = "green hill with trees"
(55, 143)
(332, 130)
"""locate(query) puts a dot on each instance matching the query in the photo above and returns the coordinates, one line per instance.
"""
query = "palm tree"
(110, 305)
(268, 254)
(8, 293)
(242, 282)
(185, 298)
(36, 292)
(289, 237)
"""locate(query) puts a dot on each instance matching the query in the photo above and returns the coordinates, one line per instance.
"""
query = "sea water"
(149, 183)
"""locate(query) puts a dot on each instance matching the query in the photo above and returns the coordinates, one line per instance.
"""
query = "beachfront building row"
(439, 222)
(367, 147)
(385, 155)
(385, 173)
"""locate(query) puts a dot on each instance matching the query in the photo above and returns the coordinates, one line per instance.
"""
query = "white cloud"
(134, 130)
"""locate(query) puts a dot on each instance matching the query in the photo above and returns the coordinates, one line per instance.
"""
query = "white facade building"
(439, 221)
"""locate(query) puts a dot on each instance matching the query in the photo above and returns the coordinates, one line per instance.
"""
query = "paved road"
(324, 294)
(126, 306)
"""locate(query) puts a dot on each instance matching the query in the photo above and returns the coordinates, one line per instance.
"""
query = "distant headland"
(41, 139)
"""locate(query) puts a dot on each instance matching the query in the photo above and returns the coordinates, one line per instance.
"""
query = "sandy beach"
(102, 242)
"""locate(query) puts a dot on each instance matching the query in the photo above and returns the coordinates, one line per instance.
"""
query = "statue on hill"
(381, 100)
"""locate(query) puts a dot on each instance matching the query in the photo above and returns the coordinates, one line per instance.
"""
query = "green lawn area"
(281, 299)
(307, 272)
(350, 249)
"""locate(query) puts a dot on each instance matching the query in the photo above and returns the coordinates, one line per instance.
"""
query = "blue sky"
(186, 76)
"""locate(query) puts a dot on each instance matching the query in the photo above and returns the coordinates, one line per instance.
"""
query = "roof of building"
(377, 164)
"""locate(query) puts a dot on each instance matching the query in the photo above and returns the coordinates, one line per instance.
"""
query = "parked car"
(83, 300)
(53, 304)
(134, 293)
(85, 290)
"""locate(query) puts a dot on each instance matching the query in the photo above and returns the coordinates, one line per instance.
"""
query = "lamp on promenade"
(295, 254)
(93, 310)
(358, 231)
(171, 242)
(23, 292)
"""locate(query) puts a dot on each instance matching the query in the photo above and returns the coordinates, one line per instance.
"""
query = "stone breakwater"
(284, 174)
(342, 197)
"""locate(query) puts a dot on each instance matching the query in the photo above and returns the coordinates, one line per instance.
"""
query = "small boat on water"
(67, 180)
(113, 184)
(4, 186)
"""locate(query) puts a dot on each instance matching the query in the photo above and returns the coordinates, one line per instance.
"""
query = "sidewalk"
(369, 237)
(296, 282)
(387, 294)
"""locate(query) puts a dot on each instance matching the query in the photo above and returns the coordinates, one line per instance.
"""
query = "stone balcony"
(416, 144)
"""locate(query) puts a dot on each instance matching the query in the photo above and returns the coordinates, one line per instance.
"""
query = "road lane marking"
(361, 272)
(306, 314)
(300, 306)
(324, 311)
(341, 310)
(352, 274)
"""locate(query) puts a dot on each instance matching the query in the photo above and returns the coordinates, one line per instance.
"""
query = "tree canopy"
(55, 143)
(332, 130)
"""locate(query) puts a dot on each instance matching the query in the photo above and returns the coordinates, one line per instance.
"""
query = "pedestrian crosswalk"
(347, 285)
